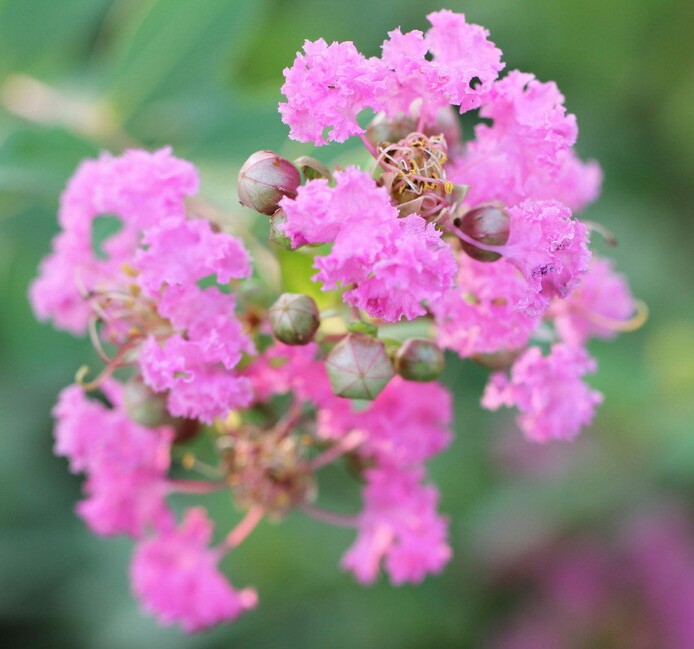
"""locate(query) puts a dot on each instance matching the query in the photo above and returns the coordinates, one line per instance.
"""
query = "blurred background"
(574, 546)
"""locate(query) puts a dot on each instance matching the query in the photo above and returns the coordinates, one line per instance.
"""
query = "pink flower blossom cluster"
(491, 288)
(476, 240)
(144, 287)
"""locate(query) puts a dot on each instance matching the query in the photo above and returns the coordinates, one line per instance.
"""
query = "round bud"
(145, 406)
(277, 234)
(358, 367)
(498, 361)
(419, 359)
(294, 318)
(487, 224)
(265, 179)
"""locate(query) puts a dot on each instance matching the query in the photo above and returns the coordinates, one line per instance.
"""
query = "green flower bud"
(145, 406)
(358, 367)
(265, 179)
(294, 318)
(277, 234)
(498, 360)
(419, 359)
(487, 224)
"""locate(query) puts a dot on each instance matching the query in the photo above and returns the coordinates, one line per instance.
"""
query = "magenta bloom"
(327, 87)
(596, 308)
(177, 578)
(392, 264)
(466, 56)
(399, 526)
(553, 400)
(549, 248)
(183, 252)
(407, 424)
(480, 315)
(126, 463)
(138, 188)
(527, 146)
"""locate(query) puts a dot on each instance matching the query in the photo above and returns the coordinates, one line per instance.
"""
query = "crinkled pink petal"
(176, 577)
(549, 248)
(183, 252)
(465, 55)
(526, 152)
(95, 437)
(196, 387)
(140, 189)
(480, 315)
(125, 502)
(400, 527)
(549, 392)
(326, 88)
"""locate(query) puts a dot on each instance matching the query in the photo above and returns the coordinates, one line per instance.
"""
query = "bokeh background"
(204, 76)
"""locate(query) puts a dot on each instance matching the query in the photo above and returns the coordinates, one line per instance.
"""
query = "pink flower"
(553, 400)
(183, 252)
(407, 423)
(194, 374)
(125, 502)
(480, 315)
(177, 578)
(549, 248)
(138, 188)
(526, 152)
(95, 437)
(327, 87)
(394, 263)
(400, 526)
(596, 308)
(411, 77)
(416, 269)
(319, 212)
(283, 368)
(463, 51)
(126, 463)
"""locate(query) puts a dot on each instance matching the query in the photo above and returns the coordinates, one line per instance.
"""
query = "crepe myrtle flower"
(278, 377)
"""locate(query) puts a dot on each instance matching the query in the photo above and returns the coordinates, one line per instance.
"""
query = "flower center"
(414, 173)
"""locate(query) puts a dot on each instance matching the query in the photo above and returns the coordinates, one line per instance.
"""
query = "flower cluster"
(476, 240)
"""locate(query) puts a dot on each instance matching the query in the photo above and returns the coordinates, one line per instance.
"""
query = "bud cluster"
(477, 241)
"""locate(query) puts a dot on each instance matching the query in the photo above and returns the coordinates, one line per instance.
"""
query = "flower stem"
(326, 516)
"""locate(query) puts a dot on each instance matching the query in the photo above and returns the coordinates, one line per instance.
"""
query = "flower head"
(176, 577)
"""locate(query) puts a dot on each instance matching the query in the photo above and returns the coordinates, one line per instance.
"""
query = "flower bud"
(487, 224)
(277, 234)
(419, 359)
(265, 179)
(358, 367)
(498, 361)
(294, 318)
(145, 406)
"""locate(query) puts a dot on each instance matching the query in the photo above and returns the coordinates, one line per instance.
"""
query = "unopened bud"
(488, 225)
(277, 233)
(265, 179)
(294, 318)
(358, 367)
(498, 360)
(419, 359)
(143, 405)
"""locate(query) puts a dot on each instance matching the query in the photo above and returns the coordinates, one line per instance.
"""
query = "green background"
(204, 76)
